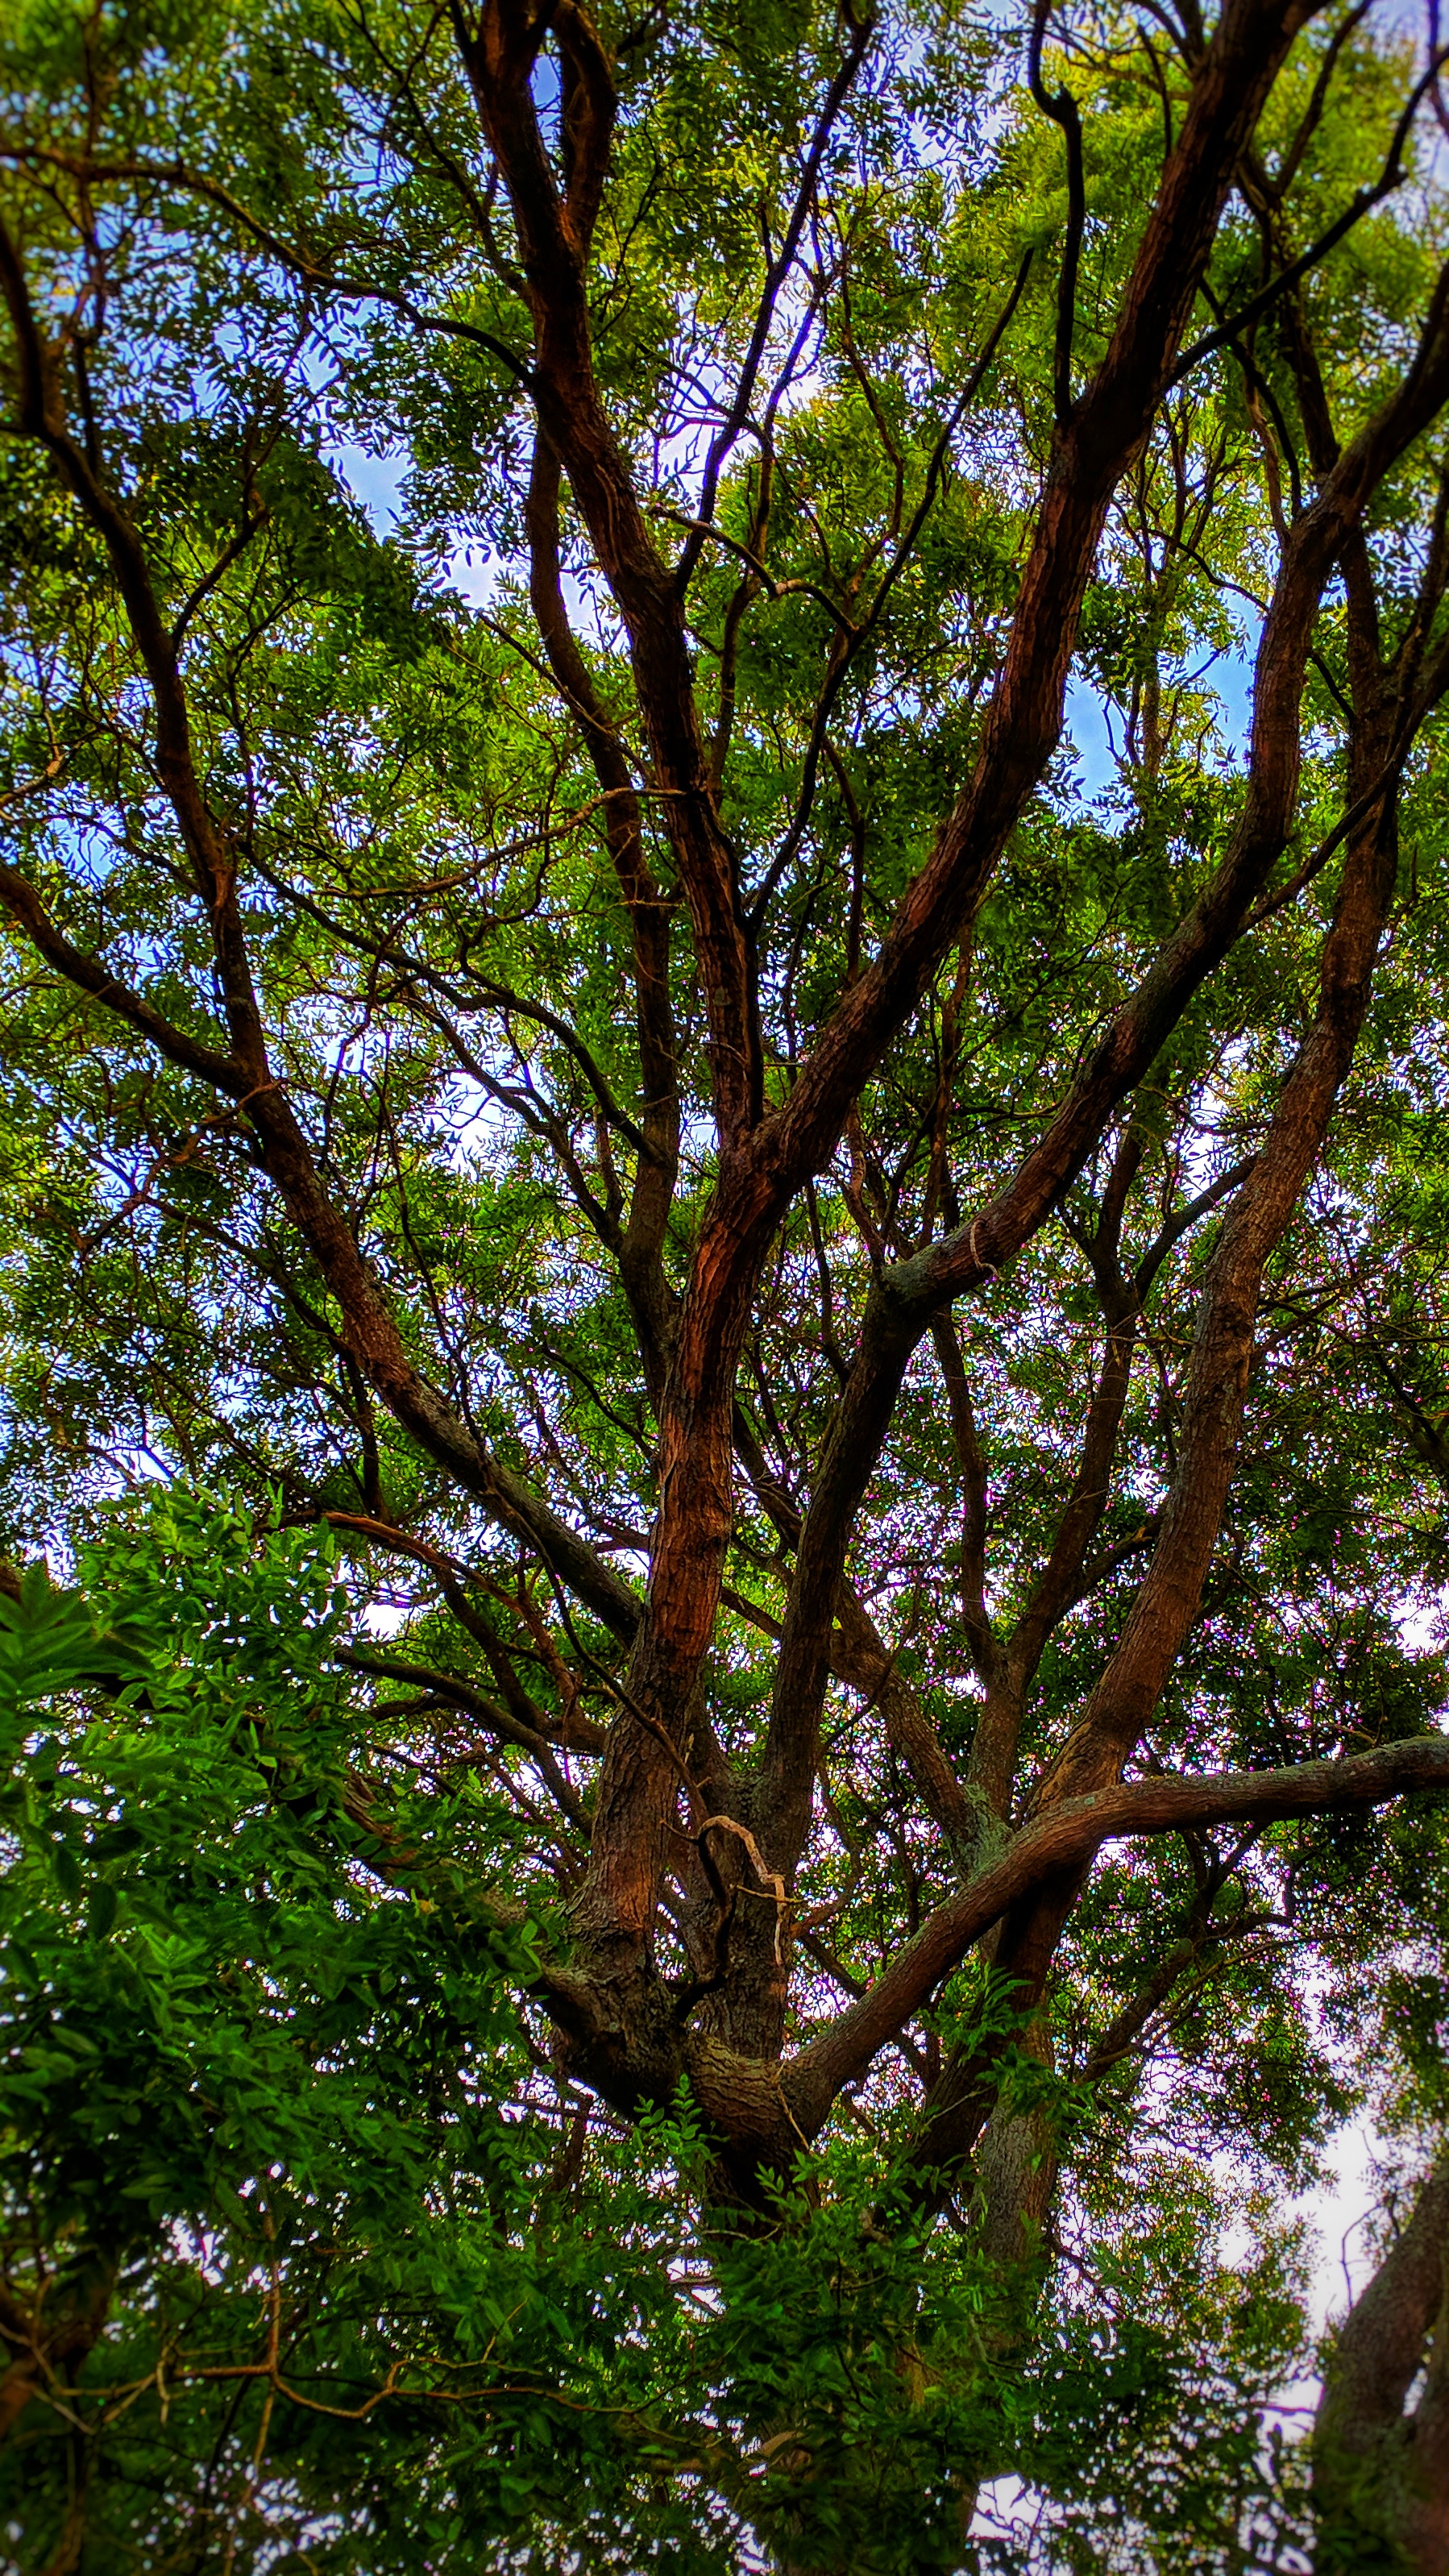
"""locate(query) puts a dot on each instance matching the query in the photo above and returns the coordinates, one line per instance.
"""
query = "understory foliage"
(261, 2112)
(724, 1229)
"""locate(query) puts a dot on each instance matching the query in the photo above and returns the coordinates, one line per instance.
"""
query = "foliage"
(723, 1183)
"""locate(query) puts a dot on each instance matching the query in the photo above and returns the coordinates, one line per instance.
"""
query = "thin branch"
(1066, 1842)
(1361, 204)
(862, 30)
(1062, 108)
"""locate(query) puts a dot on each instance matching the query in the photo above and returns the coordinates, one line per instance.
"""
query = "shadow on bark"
(1381, 2439)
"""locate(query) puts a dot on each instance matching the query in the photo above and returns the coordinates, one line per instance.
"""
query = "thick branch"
(642, 1242)
(1023, 725)
(553, 238)
(1066, 1841)
(1380, 2475)
(89, 975)
(906, 1295)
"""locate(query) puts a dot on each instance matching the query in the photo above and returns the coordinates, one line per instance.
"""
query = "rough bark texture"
(673, 1822)
(1381, 2463)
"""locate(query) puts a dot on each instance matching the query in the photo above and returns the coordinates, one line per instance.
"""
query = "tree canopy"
(724, 1200)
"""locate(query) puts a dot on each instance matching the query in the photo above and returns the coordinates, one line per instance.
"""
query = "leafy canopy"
(723, 1192)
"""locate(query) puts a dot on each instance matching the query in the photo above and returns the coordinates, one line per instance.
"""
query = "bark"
(45, 2343)
(1380, 2463)
(1061, 1843)
(762, 1165)
(668, 1805)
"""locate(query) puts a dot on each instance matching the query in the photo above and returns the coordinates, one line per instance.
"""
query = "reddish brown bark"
(670, 1810)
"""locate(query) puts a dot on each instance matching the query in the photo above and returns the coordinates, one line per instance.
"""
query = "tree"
(1378, 2465)
(747, 1379)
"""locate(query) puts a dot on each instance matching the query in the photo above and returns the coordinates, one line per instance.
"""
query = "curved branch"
(862, 29)
(1361, 204)
(1062, 108)
(89, 975)
(373, 1337)
(1068, 1840)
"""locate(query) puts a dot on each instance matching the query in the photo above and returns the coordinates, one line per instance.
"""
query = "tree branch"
(1065, 1842)
(1061, 107)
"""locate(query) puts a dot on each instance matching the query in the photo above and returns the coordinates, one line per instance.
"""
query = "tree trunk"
(1380, 2464)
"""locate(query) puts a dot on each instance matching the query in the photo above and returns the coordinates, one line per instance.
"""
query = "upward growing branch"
(1061, 107)
(555, 227)
(370, 1329)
